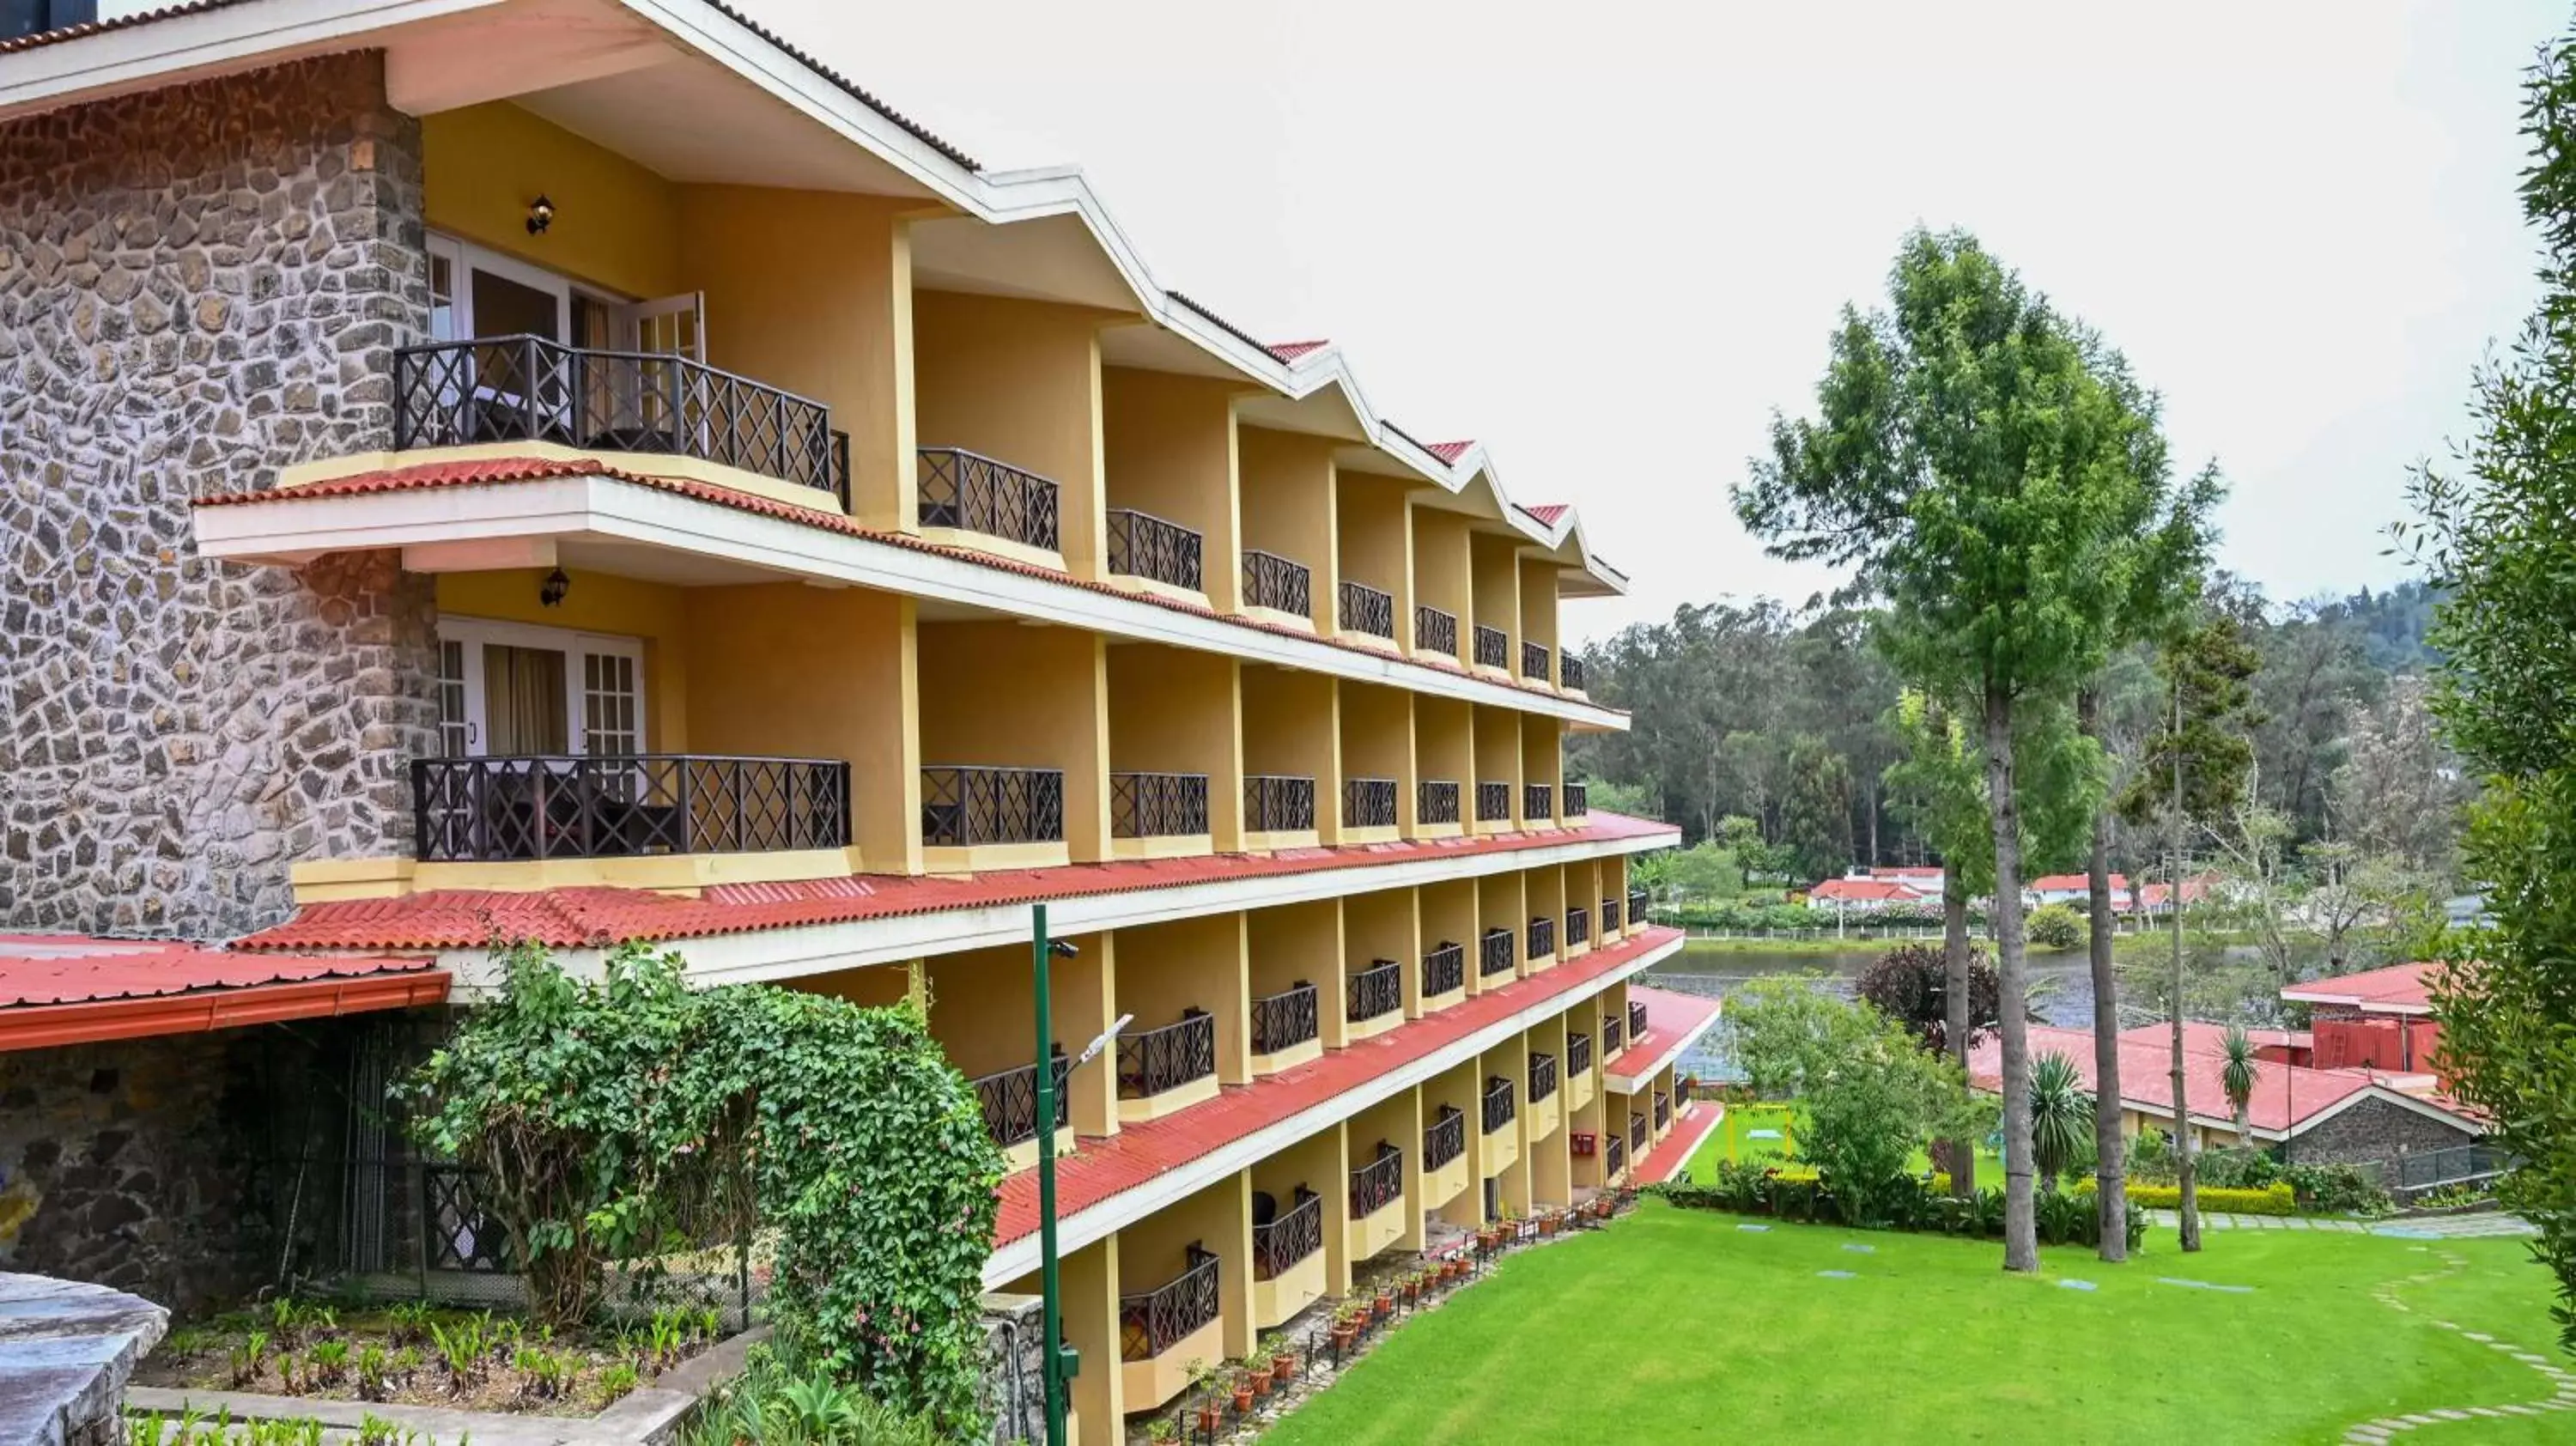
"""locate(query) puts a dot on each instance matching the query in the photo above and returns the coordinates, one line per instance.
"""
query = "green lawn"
(1733, 1140)
(1677, 1326)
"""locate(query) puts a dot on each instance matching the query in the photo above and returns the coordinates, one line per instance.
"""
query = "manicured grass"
(1676, 1325)
(1733, 1140)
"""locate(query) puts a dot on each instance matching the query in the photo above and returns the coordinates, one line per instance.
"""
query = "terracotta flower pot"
(1210, 1418)
(1242, 1400)
(1260, 1385)
(1283, 1367)
(1385, 1304)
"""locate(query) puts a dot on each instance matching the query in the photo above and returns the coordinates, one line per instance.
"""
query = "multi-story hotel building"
(583, 471)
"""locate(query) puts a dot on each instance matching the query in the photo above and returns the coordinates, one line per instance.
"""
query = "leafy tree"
(2499, 535)
(1872, 1099)
(1815, 818)
(2400, 793)
(1997, 478)
(1780, 1032)
(2055, 926)
(2238, 1078)
(2061, 1115)
(1910, 984)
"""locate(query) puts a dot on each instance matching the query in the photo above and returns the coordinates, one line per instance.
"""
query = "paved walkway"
(2431, 1227)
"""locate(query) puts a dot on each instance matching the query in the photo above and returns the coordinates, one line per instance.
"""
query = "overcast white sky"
(1610, 239)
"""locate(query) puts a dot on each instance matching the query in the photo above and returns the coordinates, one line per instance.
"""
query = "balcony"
(1444, 1139)
(1493, 802)
(1614, 1037)
(1498, 1104)
(1538, 804)
(1376, 994)
(1614, 1159)
(529, 389)
(1636, 908)
(1578, 1054)
(1368, 612)
(1534, 661)
(616, 806)
(1542, 1077)
(1578, 927)
(1158, 805)
(1368, 803)
(1494, 954)
(1435, 631)
(1636, 1019)
(1287, 1258)
(1435, 801)
(1663, 1111)
(1578, 800)
(1375, 1187)
(1444, 971)
(969, 492)
(1493, 649)
(1569, 672)
(1144, 546)
(1010, 1102)
(1273, 582)
(1542, 938)
(1276, 803)
(1162, 1330)
(1162, 1070)
(1282, 1023)
(1609, 918)
(1638, 1137)
(964, 806)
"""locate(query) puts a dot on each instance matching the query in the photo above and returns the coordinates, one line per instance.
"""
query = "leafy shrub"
(2055, 926)
(1910, 984)
(2237, 1167)
(2276, 1199)
(1904, 1202)
(2338, 1189)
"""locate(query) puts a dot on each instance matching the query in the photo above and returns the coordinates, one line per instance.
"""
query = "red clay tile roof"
(601, 915)
(1451, 451)
(1546, 512)
(61, 33)
(2077, 883)
(2399, 988)
(1671, 1018)
(510, 471)
(1105, 1168)
(1867, 891)
(1672, 1154)
(58, 989)
(1291, 350)
(2146, 1082)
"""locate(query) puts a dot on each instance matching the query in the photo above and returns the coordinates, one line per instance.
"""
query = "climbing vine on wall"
(621, 1120)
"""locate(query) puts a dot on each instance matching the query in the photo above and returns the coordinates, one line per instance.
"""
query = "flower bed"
(1907, 1203)
(422, 1355)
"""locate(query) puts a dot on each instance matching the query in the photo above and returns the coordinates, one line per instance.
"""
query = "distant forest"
(1753, 710)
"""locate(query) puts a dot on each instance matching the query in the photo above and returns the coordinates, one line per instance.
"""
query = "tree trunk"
(2021, 1235)
(2188, 1196)
(2245, 1123)
(2110, 1176)
(1956, 1024)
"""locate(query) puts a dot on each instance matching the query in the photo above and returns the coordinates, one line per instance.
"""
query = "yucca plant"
(2238, 1080)
(2061, 1115)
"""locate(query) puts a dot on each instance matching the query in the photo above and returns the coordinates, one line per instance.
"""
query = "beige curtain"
(523, 699)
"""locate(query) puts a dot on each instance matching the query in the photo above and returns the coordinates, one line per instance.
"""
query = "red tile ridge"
(1449, 451)
(505, 471)
(1291, 350)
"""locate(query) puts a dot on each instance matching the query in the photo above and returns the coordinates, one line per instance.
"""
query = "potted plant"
(1243, 1396)
(1385, 1301)
(1345, 1329)
(1162, 1429)
(1211, 1417)
(1283, 1358)
(1258, 1378)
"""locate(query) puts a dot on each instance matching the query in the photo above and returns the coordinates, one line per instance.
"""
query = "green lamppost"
(1059, 1362)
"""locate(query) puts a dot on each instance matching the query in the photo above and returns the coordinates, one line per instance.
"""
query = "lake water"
(2061, 987)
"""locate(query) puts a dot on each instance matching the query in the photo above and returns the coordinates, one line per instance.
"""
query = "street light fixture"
(1059, 1363)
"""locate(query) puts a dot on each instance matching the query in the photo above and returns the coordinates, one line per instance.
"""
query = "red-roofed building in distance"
(2076, 892)
(578, 472)
(1868, 895)
(2379, 1020)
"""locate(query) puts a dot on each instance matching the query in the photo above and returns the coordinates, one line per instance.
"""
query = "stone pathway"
(2431, 1227)
(2562, 1395)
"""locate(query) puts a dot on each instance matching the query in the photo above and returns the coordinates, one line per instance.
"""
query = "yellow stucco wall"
(1018, 381)
(1541, 762)
(1498, 754)
(1397, 1120)
(1538, 608)
(1442, 575)
(1057, 714)
(1154, 1250)
(616, 224)
(1317, 1163)
(1543, 897)
(1291, 727)
(1169, 451)
(1498, 593)
(1288, 508)
(1296, 942)
(1377, 741)
(1174, 711)
(1500, 900)
(1376, 539)
(1381, 925)
(1200, 963)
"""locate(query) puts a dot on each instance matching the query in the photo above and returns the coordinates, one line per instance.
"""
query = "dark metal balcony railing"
(1290, 1238)
(1368, 803)
(1154, 1322)
(1578, 1054)
(1375, 991)
(1493, 802)
(570, 806)
(1614, 1036)
(1159, 1060)
(975, 493)
(1272, 581)
(1638, 1139)
(1542, 1077)
(1542, 938)
(1498, 1104)
(530, 389)
(1636, 1020)
(1495, 953)
(1276, 803)
(1143, 545)
(963, 806)
(1663, 1109)
(1614, 1158)
(1538, 802)
(1367, 610)
(1636, 906)
(1578, 926)
(1379, 1183)
(1534, 661)
(1010, 1101)
(1284, 1020)
(1435, 800)
(1444, 969)
(1157, 805)
(1569, 671)
(1435, 631)
(1578, 800)
(1444, 1139)
(1493, 648)
(1609, 916)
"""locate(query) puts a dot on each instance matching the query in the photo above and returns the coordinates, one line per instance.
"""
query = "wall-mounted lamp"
(541, 214)
(551, 591)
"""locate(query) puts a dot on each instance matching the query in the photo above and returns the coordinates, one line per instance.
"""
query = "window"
(518, 689)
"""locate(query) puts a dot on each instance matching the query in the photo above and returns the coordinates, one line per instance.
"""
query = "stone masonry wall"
(2376, 1130)
(200, 286)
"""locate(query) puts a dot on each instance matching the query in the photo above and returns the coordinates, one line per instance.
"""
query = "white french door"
(509, 688)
